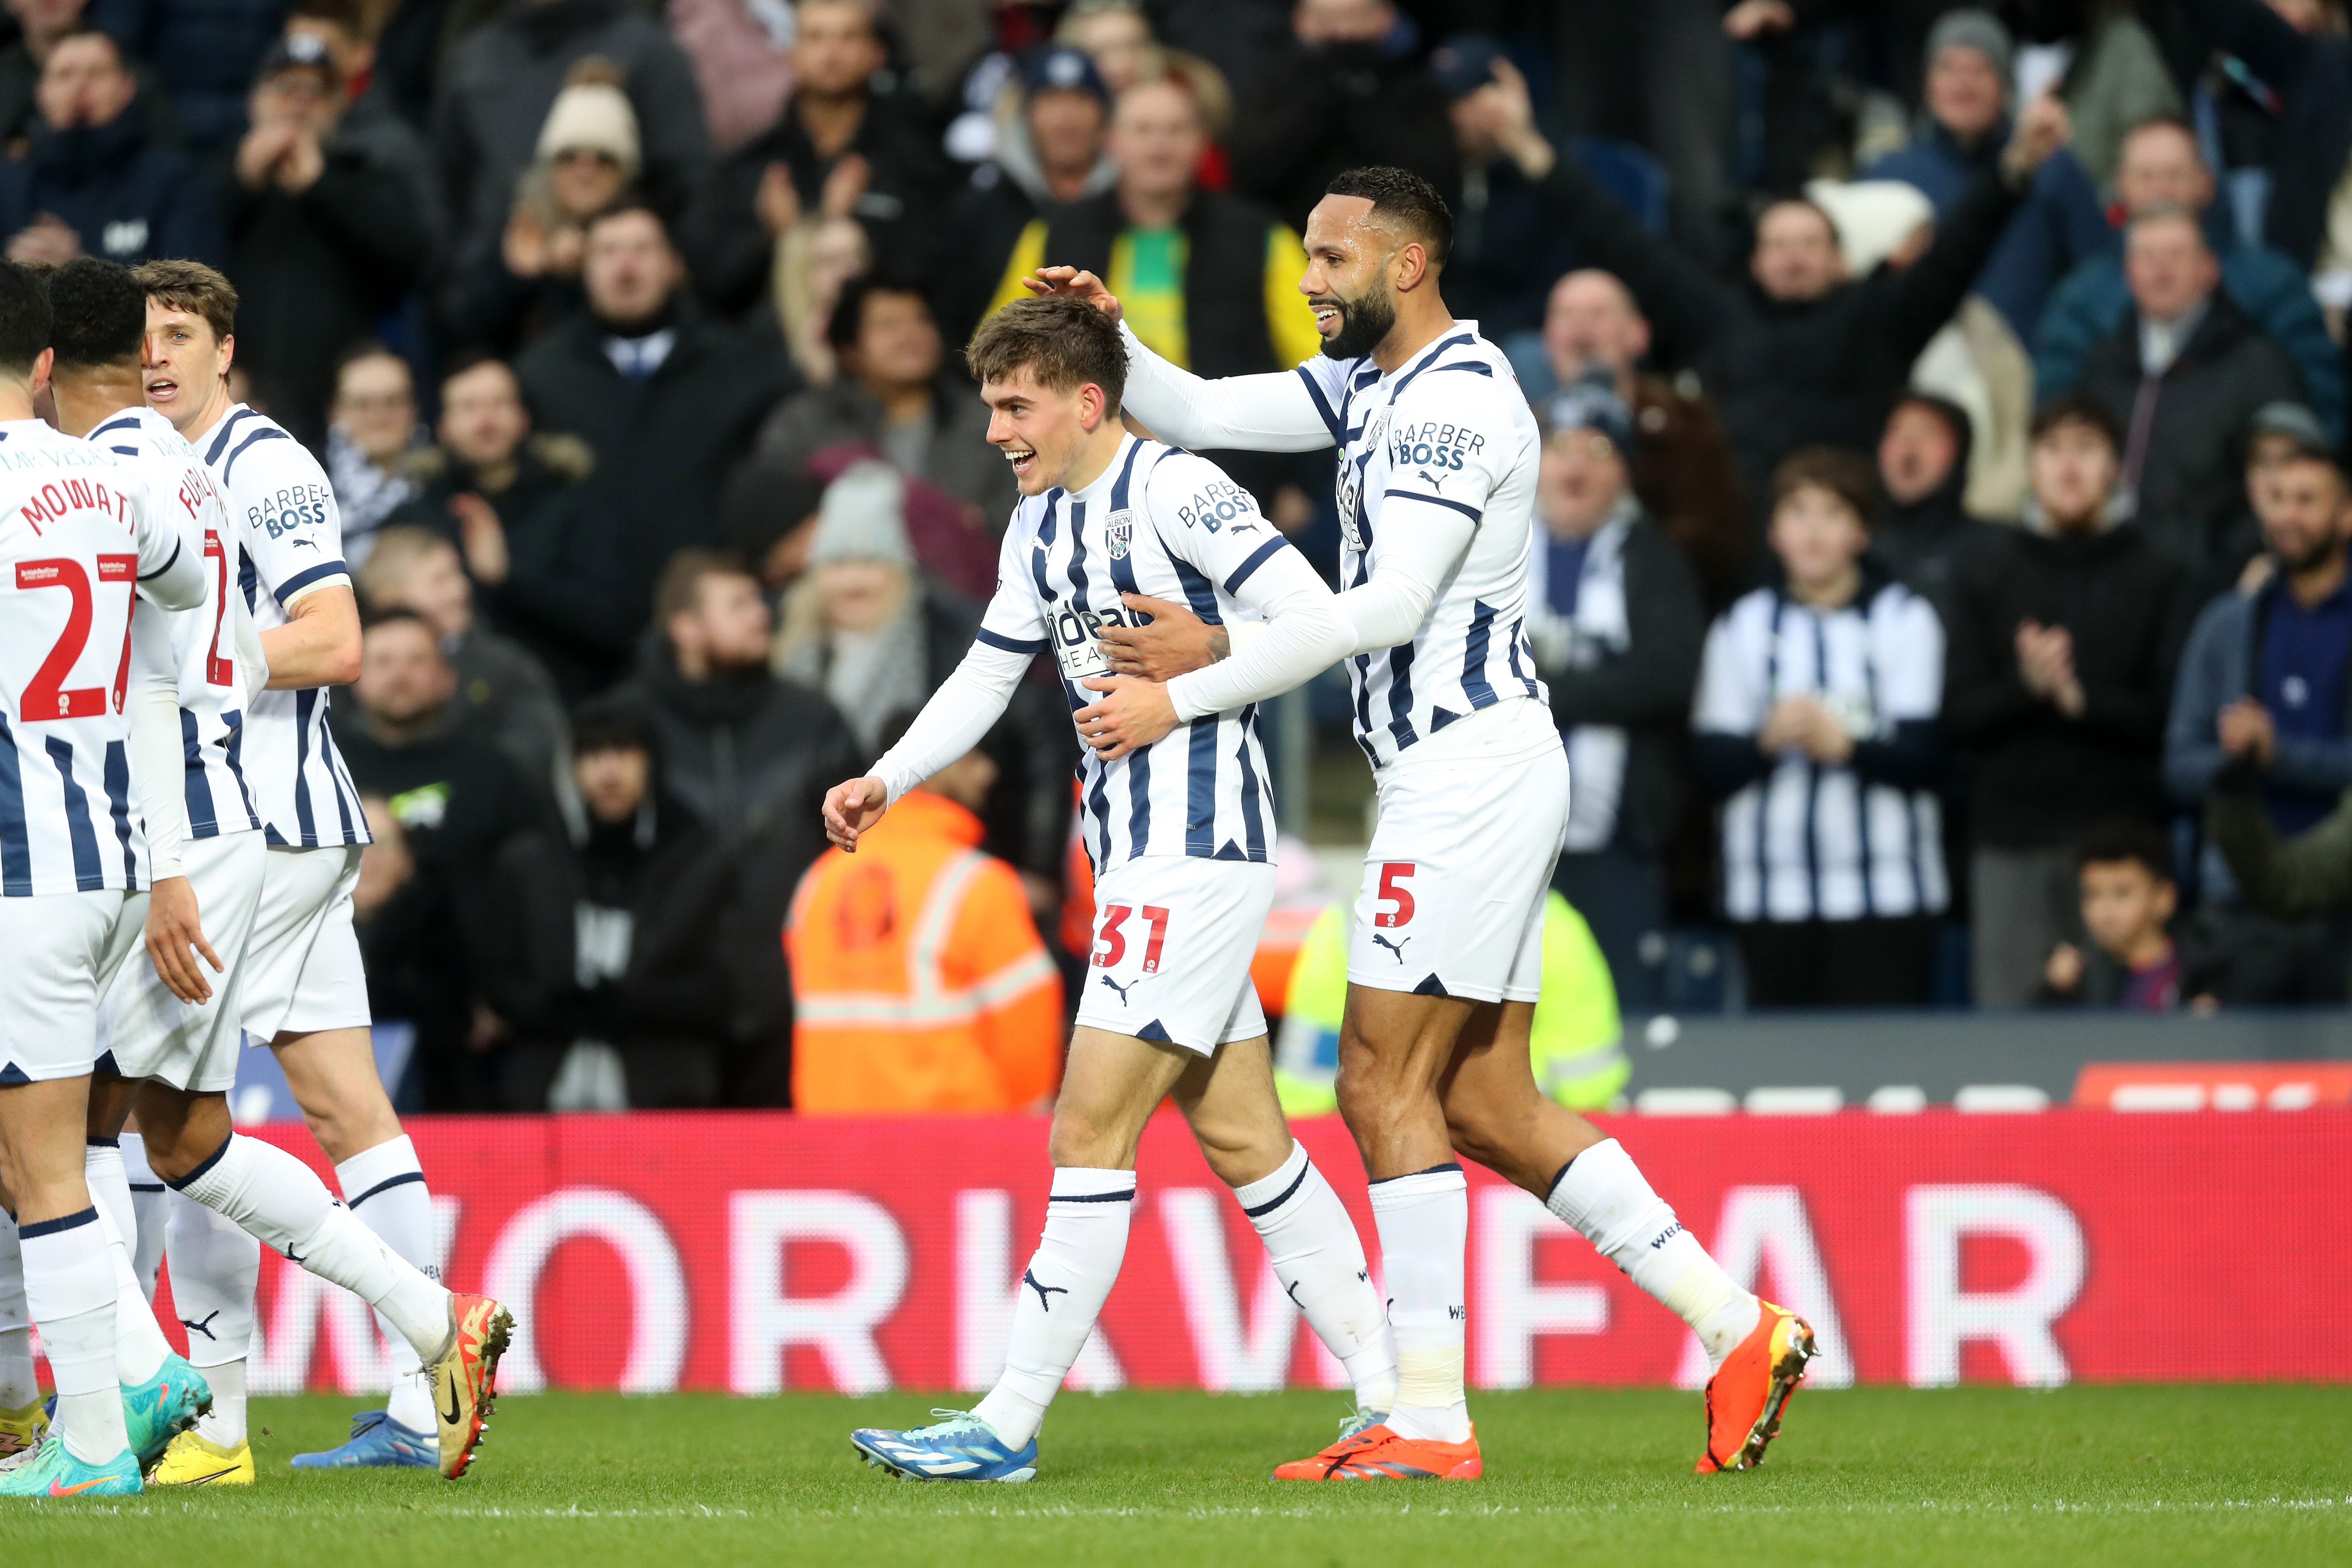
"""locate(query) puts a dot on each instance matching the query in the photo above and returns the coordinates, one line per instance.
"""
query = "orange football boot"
(1378, 1453)
(1747, 1392)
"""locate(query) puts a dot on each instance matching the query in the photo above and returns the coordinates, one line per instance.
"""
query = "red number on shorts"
(218, 671)
(1392, 874)
(47, 696)
(1113, 918)
(1159, 919)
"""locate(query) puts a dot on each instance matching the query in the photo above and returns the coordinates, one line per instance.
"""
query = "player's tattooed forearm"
(1221, 646)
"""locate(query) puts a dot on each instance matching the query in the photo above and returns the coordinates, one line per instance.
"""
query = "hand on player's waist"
(1173, 641)
(1132, 714)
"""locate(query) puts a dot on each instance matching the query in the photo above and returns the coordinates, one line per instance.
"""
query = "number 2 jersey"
(204, 639)
(79, 532)
(283, 509)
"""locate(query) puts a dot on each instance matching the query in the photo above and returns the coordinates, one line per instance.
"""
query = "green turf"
(2145, 1475)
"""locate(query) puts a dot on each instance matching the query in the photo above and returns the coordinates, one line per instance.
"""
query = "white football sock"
(69, 1285)
(18, 1387)
(1607, 1200)
(1062, 1294)
(275, 1196)
(147, 1211)
(1424, 1226)
(140, 1346)
(1319, 1259)
(385, 1186)
(215, 1268)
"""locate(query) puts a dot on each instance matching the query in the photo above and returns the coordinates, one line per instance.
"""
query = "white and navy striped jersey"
(1805, 841)
(204, 640)
(79, 529)
(1449, 429)
(1163, 523)
(292, 540)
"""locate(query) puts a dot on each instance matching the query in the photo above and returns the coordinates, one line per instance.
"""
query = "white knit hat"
(862, 518)
(595, 116)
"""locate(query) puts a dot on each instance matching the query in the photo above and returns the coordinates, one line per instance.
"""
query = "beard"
(1362, 324)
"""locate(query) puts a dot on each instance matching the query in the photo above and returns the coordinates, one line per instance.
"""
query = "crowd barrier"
(760, 1252)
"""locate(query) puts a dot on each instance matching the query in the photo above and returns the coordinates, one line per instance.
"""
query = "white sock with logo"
(1424, 1226)
(148, 1211)
(1603, 1195)
(275, 1196)
(385, 1186)
(1062, 1294)
(140, 1346)
(18, 1386)
(1319, 1259)
(69, 1285)
(216, 1269)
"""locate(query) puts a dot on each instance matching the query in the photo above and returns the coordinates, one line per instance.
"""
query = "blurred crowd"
(1942, 590)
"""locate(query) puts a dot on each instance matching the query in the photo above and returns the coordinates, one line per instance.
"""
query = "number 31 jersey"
(78, 532)
(204, 640)
(1163, 523)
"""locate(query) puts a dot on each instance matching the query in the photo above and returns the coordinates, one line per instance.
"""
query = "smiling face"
(184, 367)
(2300, 504)
(1042, 431)
(1350, 256)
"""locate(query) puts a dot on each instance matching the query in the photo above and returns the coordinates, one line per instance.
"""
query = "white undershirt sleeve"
(1304, 633)
(1419, 549)
(1273, 412)
(158, 764)
(956, 719)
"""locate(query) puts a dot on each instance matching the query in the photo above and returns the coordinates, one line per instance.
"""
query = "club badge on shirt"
(1122, 529)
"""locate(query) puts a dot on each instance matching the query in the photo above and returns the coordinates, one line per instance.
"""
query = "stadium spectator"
(1800, 353)
(371, 428)
(502, 694)
(1617, 623)
(743, 63)
(2129, 959)
(458, 802)
(1346, 93)
(834, 117)
(1506, 251)
(606, 935)
(772, 516)
(207, 51)
(877, 636)
(589, 153)
(741, 748)
(2305, 75)
(1049, 152)
(2064, 635)
(1684, 471)
(2265, 690)
(40, 23)
(96, 181)
(896, 394)
(2058, 221)
(1925, 530)
(887, 1023)
(1816, 726)
(665, 399)
(496, 85)
(2184, 373)
(2162, 166)
(331, 221)
(509, 498)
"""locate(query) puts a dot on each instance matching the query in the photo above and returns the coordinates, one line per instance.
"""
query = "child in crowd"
(2128, 899)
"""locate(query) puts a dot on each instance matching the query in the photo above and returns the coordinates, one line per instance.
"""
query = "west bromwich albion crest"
(1122, 529)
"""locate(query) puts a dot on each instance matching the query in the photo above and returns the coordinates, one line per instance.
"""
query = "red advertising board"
(758, 1252)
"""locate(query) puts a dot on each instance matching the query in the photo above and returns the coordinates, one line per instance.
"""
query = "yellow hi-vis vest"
(1577, 1047)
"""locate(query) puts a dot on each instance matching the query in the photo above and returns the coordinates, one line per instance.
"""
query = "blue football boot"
(377, 1442)
(960, 1448)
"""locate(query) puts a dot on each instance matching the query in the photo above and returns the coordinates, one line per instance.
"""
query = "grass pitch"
(2143, 1476)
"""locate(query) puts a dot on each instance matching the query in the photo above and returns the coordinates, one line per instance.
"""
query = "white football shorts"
(1174, 935)
(149, 1032)
(302, 969)
(63, 951)
(1452, 895)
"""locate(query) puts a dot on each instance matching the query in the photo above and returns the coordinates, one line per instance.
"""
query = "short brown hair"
(679, 590)
(1844, 473)
(2076, 410)
(193, 287)
(1064, 341)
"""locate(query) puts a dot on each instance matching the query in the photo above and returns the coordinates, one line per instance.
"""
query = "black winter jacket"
(129, 197)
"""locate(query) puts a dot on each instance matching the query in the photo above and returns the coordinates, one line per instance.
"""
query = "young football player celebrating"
(1178, 819)
(1436, 487)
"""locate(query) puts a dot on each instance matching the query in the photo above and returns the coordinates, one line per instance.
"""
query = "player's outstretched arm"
(958, 717)
(852, 807)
